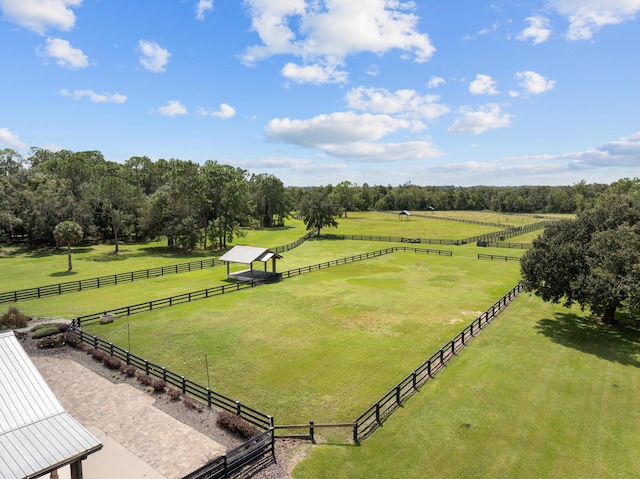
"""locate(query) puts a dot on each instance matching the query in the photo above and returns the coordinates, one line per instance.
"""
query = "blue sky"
(316, 92)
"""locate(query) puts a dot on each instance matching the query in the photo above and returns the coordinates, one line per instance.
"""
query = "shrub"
(128, 370)
(236, 425)
(13, 319)
(191, 403)
(52, 341)
(173, 393)
(73, 340)
(44, 330)
(112, 362)
(158, 385)
(144, 379)
(97, 354)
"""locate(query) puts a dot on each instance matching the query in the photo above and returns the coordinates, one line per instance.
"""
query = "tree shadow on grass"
(63, 274)
(619, 344)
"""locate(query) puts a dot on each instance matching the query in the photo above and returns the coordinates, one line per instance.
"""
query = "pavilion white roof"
(37, 435)
(248, 254)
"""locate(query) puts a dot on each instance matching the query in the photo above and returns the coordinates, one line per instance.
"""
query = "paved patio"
(140, 441)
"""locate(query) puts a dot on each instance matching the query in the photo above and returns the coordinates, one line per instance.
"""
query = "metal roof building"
(248, 255)
(37, 436)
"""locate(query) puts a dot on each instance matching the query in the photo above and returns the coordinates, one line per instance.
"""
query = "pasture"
(542, 392)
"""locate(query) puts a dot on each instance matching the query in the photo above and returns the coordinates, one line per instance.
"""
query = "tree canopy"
(318, 209)
(593, 260)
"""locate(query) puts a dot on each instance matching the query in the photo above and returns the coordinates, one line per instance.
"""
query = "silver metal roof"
(36, 434)
(247, 255)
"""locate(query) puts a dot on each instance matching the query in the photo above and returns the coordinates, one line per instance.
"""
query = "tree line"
(209, 204)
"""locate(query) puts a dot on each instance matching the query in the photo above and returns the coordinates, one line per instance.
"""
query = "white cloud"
(488, 117)
(400, 102)
(384, 152)
(327, 31)
(64, 54)
(538, 30)
(313, 73)
(38, 15)
(340, 127)
(10, 139)
(586, 17)
(351, 136)
(483, 85)
(435, 82)
(300, 165)
(173, 108)
(533, 82)
(225, 111)
(202, 7)
(154, 58)
(95, 97)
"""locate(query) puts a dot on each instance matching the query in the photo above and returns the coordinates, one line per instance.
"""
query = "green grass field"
(543, 392)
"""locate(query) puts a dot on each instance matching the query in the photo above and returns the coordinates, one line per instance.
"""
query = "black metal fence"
(228, 288)
(495, 236)
(191, 388)
(361, 257)
(110, 280)
(127, 277)
(237, 459)
(498, 257)
(392, 400)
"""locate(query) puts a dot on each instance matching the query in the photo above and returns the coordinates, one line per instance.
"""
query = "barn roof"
(37, 435)
(248, 254)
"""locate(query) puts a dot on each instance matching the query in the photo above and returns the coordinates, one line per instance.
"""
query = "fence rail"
(236, 459)
(127, 277)
(498, 257)
(495, 236)
(228, 288)
(191, 388)
(371, 419)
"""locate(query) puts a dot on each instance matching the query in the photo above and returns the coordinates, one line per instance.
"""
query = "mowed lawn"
(388, 224)
(323, 346)
(543, 392)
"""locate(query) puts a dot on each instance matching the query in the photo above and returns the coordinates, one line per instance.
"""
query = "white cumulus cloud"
(225, 111)
(483, 85)
(538, 30)
(534, 83)
(586, 17)
(38, 15)
(64, 54)
(10, 139)
(202, 7)
(335, 128)
(154, 58)
(325, 32)
(173, 108)
(435, 82)
(487, 117)
(313, 73)
(351, 136)
(95, 97)
(401, 102)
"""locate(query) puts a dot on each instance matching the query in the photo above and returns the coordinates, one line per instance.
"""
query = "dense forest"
(208, 204)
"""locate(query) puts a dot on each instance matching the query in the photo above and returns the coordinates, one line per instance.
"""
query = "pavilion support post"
(76, 470)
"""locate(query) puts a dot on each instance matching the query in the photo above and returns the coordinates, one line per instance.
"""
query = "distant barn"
(249, 255)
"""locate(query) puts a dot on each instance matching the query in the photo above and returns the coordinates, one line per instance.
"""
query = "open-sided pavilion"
(249, 255)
